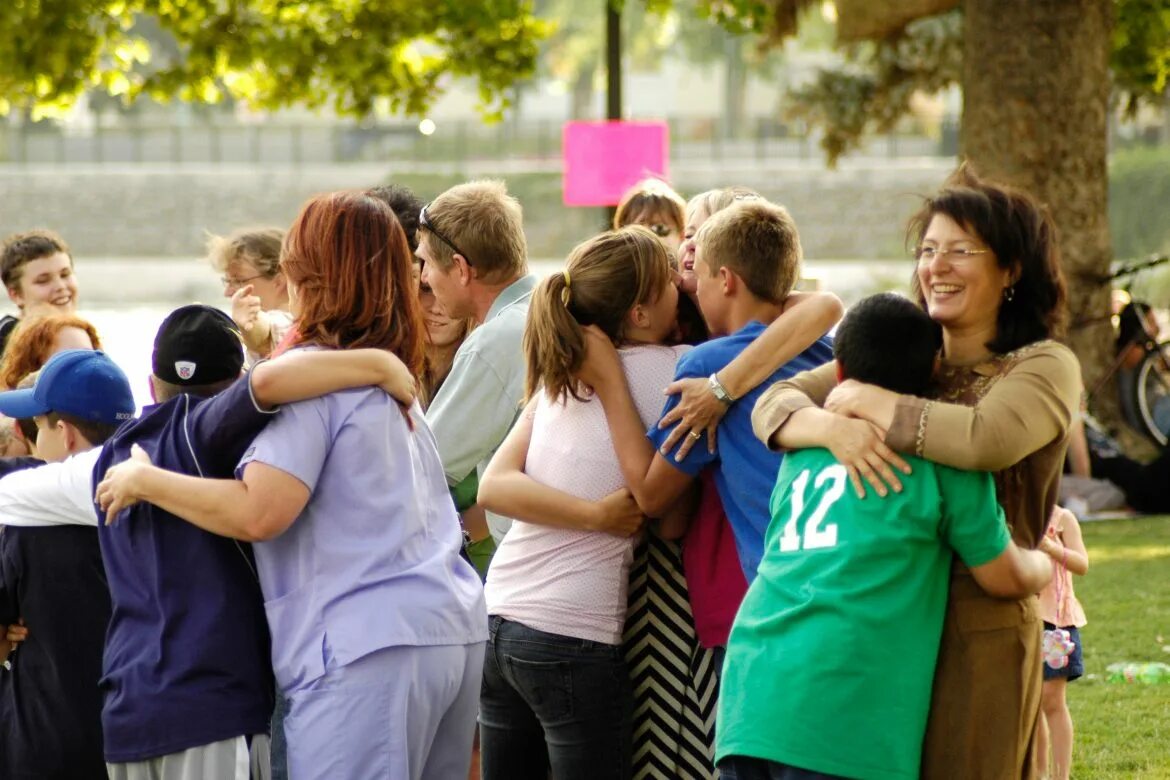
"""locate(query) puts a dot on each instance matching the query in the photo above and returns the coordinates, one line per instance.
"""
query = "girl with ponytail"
(554, 674)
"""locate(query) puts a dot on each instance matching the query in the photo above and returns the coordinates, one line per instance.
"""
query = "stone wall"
(858, 211)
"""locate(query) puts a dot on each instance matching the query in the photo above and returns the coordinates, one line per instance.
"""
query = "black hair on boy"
(886, 340)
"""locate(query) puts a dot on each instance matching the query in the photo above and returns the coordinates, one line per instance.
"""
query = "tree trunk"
(1035, 107)
(735, 79)
(581, 95)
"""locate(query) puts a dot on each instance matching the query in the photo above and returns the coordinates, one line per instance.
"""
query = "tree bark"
(1035, 109)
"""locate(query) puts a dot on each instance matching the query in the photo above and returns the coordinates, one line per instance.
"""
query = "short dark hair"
(28, 427)
(405, 205)
(165, 391)
(94, 432)
(1131, 324)
(1019, 231)
(20, 249)
(888, 341)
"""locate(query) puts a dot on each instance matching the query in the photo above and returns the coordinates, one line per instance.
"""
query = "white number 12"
(814, 536)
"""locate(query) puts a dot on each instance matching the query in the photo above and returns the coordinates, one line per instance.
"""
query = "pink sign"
(604, 159)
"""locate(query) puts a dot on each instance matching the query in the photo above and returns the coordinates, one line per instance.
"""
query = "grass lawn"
(1123, 730)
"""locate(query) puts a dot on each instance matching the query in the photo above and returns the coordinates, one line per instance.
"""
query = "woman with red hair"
(37, 339)
(378, 626)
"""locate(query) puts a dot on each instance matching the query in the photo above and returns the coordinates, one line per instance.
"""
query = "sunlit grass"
(1123, 729)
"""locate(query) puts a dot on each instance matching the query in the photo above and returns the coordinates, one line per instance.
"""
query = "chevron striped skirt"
(675, 685)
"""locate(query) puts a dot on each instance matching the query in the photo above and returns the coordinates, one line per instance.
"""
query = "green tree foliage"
(349, 54)
(872, 89)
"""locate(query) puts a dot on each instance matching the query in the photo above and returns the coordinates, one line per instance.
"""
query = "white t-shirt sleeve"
(52, 494)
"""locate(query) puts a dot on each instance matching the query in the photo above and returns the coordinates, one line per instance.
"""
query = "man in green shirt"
(831, 658)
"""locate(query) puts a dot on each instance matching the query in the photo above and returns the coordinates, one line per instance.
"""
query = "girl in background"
(249, 260)
(652, 204)
(38, 338)
(37, 270)
(1060, 611)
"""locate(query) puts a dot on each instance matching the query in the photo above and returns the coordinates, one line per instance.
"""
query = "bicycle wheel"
(1152, 393)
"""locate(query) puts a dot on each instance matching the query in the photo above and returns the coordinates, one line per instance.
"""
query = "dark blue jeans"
(551, 701)
(744, 768)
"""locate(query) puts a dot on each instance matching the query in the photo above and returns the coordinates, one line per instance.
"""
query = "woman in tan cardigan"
(1002, 401)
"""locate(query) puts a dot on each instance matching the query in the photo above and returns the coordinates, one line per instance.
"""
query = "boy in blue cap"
(50, 705)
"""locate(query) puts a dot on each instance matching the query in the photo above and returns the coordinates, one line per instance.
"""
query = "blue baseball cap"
(84, 383)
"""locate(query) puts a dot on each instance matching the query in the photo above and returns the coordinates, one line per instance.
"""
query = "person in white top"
(554, 674)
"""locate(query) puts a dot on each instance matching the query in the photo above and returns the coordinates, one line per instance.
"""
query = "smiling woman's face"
(961, 293)
(442, 331)
(46, 282)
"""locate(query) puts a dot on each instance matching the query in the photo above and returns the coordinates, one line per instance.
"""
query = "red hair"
(348, 258)
(32, 342)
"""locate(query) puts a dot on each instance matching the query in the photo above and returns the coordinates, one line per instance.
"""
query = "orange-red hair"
(31, 344)
(348, 259)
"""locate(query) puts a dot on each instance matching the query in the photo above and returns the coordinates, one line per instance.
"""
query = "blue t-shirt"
(187, 652)
(747, 469)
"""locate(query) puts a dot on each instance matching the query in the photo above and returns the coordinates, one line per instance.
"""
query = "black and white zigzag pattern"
(675, 686)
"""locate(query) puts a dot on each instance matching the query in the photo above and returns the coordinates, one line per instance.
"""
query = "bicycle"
(1144, 384)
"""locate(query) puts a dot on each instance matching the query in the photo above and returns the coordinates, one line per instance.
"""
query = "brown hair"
(347, 256)
(434, 373)
(95, 432)
(27, 425)
(31, 344)
(487, 223)
(758, 241)
(1019, 230)
(603, 279)
(20, 249)
(651, 197)
(258, 246)
(405, 205)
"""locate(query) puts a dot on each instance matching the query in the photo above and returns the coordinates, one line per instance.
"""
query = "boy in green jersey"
(831, 658)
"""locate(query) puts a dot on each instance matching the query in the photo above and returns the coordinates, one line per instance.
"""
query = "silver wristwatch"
(719, 391)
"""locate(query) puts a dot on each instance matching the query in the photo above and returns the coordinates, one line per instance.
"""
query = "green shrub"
(1139, 201)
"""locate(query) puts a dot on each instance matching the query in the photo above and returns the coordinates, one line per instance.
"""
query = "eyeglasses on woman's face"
(928, 253)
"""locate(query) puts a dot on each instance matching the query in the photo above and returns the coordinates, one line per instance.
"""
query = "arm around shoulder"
(1030, 406)
(1015, 573)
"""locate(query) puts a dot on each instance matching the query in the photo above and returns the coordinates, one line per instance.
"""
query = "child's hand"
(602, 366)
(245, 308)
(619, 515)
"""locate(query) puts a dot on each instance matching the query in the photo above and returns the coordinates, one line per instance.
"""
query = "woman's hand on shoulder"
(858, 446)
(698, 410)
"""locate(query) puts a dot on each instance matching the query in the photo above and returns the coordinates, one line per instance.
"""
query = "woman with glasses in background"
(249, 260)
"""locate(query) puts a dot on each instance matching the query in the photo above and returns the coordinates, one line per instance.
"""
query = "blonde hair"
(714, 201)
(758, 241)
(258, 246)
(487, 223)
(650, 197)
(604, 278)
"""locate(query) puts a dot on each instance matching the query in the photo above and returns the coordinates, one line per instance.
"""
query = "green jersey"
(832, 654)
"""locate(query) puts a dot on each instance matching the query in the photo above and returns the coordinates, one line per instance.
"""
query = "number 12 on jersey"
(814, 537)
